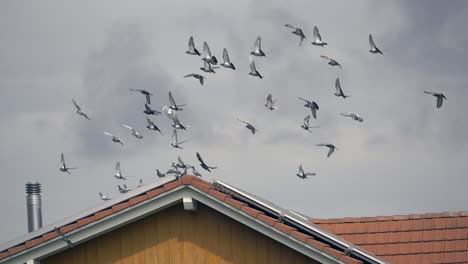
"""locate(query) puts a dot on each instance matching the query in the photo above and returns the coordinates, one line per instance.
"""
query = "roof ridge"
(388, 218)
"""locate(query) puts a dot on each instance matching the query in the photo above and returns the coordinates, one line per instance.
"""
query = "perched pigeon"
(123, 189)
(258, 48)
(196, 76)
(207, 67)
(195, 172)
(331, 61)
(160, 174)
(114, 138)
(353, 116)
(317, 38)
(306, 125)
(172, 170)
(373, 47)
(118, 172)
(191, 48)
(175, 141)
(203, 164)
(270, 104)
(312, 105)
(104, 198)
(302, 174)
(297, 31)
(139, 184)
(146, 93)
(64, 167)
(249, 126)
(79, 111)
(330, 146)
(174, 106)
(152, 126)
(253, 69)
(150, 111)
(134, 132)
(177, 124)
(440, 98)
(226, 61)
(207, 55)
(339, 91)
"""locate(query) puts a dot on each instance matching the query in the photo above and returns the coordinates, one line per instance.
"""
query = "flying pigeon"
(440, 98)
(195, 172)
(258, 48)
(339, 91)
(191, 48)
(160, 174)
(150, 111)
(226, 61)
(302, 174)
(79, 111)
(118, 172)
(181, 164)
(253, 69)
(312, 105)
(249, 126)
(373, 47)
(177, 124)
(196, 76)
(104, 198)
(207, 67)
(207, 55)
(174, 106)
(146, 93)
(317, 38)
(353, 116)
(169, 112)
(125, 189)
(172, 170)
(270, 104)
(64, 167)
(134, 132)
(175, 142)
(306, 125)
(152, 126)
(114, 138)
(330, 146)
(297, 31)
(203, 164)
(331, 61)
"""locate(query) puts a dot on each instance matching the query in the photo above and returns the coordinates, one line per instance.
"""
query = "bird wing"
(346, 114)
(128, 127)
(147, 108)
(148, 98)
(322, 145)
(330, 151)
(243, 121)
(314, 112)
(171, 98)
(429, 92)
(309, 174)
(315, 105)
(371, 41)
(76, 105)
(189, 75)
(109, 134)
(306, 120)
(150, 122)
(325, 57)
(191, 45)
(117, 167)
(252, 64)
(269, 100)
(206, 50)
(200, 158)
(300, 169)
(62, 159)
(439, 101)
(289, 26)
(338, 86)
(226, 57)
(307, 101)
(180, 161)
(258, 44)
(206, 66)
(317, 34)
(174, 135)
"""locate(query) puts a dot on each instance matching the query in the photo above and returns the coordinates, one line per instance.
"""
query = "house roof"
(416, 238)
(114, 208)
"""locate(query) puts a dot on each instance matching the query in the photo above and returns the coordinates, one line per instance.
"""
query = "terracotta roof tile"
(49, 235)
(284, 228)
(201, 186)
(14, 250)
(103, 213)
(86, 220)
(298, 235)
(68, 228)
(171, 185)
(120, 206)
(33, 242)
(233, 202)
(155, 192)
(3, 254)
(265, 218)
(219, 195)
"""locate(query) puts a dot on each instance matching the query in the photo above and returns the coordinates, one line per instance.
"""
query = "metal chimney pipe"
(34, 206)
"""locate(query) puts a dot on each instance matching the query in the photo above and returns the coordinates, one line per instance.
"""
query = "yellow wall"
(178, 236)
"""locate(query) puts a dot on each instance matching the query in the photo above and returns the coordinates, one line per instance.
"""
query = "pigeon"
(249, 126)
(331, 61)
(317, 38)
(306, 125)
(169, 112)
(146, 93)
(160, 174)
(191, 48)
(339, 91)
(175, 142)
(114, 138)
(64, 167)
(440, 98)
(195, 172)
(79, 111)
(150, 111)
(207, 67)
(177, 124)
(196, 76)
(303, 175)
(125, 189)
(270, 104)
(373, 47)
(174, 106)
(207, 55)
(104, 198)
(297, 31)
(134, 132)
(118, 172)
(203, 164)
(258, 48)
(253, 69)
(330, 146)
(312, 105)
(172, 171)
(226, 61)
(139, 184)
(353, 116)
(152, 126)
(181, 164)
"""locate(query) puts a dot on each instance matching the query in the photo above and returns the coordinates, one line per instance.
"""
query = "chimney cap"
(33, 188)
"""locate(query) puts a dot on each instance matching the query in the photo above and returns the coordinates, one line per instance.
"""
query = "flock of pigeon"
(180, 168)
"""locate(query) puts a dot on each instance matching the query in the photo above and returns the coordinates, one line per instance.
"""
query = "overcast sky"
(406, 157)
